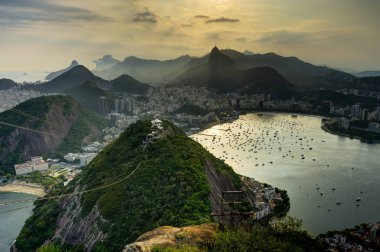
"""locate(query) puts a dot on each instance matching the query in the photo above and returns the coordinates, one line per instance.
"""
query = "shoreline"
(328, 130)
(27, 188)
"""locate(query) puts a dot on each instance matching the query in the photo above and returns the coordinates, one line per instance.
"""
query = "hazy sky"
(48, 34)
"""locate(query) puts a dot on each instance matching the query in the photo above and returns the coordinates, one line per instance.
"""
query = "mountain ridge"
(55, 74)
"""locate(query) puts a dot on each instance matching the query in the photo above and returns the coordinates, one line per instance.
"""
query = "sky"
(46, 35)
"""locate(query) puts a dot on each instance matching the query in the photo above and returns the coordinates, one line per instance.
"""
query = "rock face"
(47, 124)
(169, 236)
(72, 229)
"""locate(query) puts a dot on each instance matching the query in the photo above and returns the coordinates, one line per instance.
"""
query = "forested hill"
(170, 181)
(43, 126)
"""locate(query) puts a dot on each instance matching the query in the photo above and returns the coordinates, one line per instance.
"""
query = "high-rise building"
(372, 235)
(355, 111)
(117, 108)
(103, 105)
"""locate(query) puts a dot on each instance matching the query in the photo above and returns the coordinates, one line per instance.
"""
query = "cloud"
(20, 12)
(146, 17)
(286, 37)
(187, 25)
(223, 20)
(201, 16)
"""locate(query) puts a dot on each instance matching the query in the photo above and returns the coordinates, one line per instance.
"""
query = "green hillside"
(127, 84)
(60, 125)
(168, 187)
(88, 93)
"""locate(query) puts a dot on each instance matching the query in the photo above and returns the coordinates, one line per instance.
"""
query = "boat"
(294, 116)
(358, 199)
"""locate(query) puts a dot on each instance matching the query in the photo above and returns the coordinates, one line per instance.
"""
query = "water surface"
(295, 154)
(13, 217)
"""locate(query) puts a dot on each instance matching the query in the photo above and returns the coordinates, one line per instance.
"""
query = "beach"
(27, 188)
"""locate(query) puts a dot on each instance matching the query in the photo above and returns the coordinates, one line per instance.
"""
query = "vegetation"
(169, 187)
(363, 135)
(281, 208)
(253, 237)
(192, 110)
(316, 97)
(128, 84)
(88, 122)
(88, 93)
(32, 114)
(39, 227)
(41, 179)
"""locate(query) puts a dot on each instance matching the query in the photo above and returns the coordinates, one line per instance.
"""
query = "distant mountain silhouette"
(298, 72)
(104, 63)
(146, 70)
(53, 75)
(368, 74)
(87, 95)
(222, 73)
(248, 52)
(128, 84)
(6, 84)
(74, 77)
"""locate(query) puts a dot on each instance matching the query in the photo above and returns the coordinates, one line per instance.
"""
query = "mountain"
(87, 95)
(369, 83)
(73, 77)
(53, 75)
(57, 124)
(296, 71)
(303, 74)
(6, 84)
(104, 63)
(223, 72)
(128, 84)
(248, 52)
(136, 187)
(368, 74)
(146, 70)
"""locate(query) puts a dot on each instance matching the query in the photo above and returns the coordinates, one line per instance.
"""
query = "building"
(35, 164)
(374, 127)
(103, 105)
(344, 123)
(372, 235)
(355, 111)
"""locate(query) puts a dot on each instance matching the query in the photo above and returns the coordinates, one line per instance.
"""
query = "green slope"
(169, 187)
(65, 115)
(88, 93)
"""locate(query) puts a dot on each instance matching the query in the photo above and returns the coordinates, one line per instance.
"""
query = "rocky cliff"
(40, 127)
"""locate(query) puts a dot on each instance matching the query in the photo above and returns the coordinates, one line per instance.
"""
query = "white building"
(36, 164)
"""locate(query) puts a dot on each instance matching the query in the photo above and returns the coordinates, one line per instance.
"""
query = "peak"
(123, 77)
(248, 52)
(79, 68)
(74, 63)
(215, 50)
